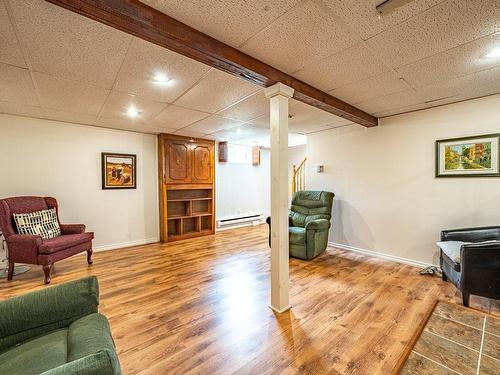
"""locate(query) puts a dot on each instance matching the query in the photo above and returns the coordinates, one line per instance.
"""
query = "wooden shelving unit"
(187, 204)
(184, 215)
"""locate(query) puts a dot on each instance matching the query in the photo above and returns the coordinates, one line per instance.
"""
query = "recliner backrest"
(310, 205)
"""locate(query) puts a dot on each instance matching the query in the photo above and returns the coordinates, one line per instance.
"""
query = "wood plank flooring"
(199, 306)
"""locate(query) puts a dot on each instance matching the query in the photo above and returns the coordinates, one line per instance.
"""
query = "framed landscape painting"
(118, 171)
(468, 157)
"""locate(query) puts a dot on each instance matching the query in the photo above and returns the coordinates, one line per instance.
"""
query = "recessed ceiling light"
(161, 77)
(132, 112)
(494, 53)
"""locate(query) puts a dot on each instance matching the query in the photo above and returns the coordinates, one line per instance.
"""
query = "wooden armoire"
(187, 190)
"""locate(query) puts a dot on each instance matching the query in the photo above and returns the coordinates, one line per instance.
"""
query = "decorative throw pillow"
(43, 223)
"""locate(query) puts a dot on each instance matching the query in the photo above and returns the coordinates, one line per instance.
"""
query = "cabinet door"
(202, 164)
(178, 162)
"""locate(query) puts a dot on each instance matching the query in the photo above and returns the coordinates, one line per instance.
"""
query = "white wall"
(243, 188)
(387, 198)
(49, 158)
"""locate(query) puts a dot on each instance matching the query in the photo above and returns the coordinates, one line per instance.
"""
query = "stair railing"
(299, 177)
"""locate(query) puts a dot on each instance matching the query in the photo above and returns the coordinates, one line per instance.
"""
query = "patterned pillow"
(43, 223)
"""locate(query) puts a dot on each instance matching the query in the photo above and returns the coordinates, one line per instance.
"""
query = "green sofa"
(308, 223)
(56, 331)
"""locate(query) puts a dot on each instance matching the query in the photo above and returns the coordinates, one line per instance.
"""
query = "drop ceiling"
(57, 65)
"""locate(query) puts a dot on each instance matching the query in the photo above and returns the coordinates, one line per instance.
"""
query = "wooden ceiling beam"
(145, 22)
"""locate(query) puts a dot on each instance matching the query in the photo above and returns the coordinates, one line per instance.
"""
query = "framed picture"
(468, 157)
(118, 171)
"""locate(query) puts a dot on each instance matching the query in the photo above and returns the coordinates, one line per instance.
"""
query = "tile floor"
(456, 340)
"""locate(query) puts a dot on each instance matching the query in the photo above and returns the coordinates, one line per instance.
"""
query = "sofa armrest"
(471, 234)
(45, 310)
(480, 269)
(100, 363)
(72, 228)
(24, 247)
(318, 224)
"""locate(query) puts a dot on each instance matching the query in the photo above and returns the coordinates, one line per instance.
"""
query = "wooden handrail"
(299, 176)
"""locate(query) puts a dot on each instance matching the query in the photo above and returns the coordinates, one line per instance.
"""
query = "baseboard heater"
(238, 219)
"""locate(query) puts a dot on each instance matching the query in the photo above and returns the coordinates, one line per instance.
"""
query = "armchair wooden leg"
(89, 256)
(465, 298)
(46, 271)
(10, 272)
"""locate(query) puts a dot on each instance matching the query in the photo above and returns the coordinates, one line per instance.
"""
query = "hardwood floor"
(199, 306)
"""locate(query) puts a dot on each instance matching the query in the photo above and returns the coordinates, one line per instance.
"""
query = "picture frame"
(119, 171)
(474, 156)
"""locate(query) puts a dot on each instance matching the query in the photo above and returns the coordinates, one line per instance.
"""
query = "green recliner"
(56, 331)
(308, 223)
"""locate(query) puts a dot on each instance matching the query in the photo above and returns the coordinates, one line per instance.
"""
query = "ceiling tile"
(216, 91)
(252, 136)
(261, 121)
(308, 128)
(175, 117)
(245, 135)
(391, 101)
(410, 108)
(20, 109)
(116, 122)
(69, 116)
(381, 85)
(212, 124)
(442, 27)
(474, 85)
(362, 16)
(305, 118)
(189, 133)
(350, 65)
(231, 22)
(145, 59)
(10, 51)
(151, 129)
(65, 44)
(117, 104)
(249, 108)
(465, 59)
(16, 85)
(69, 96)
(305, 34)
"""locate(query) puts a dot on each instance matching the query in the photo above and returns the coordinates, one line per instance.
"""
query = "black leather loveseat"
(476, 267)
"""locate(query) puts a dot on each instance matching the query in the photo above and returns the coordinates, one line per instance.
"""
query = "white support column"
(279, 95)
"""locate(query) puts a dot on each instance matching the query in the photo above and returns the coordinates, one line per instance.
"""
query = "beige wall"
(387, 198)
(41, 157)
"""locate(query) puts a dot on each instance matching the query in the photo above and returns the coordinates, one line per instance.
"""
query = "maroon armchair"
(32, 249)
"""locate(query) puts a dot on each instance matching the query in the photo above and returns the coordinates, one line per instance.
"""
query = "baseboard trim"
(228, 227)
(280, 311)
(121, 245)
(385, 256)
